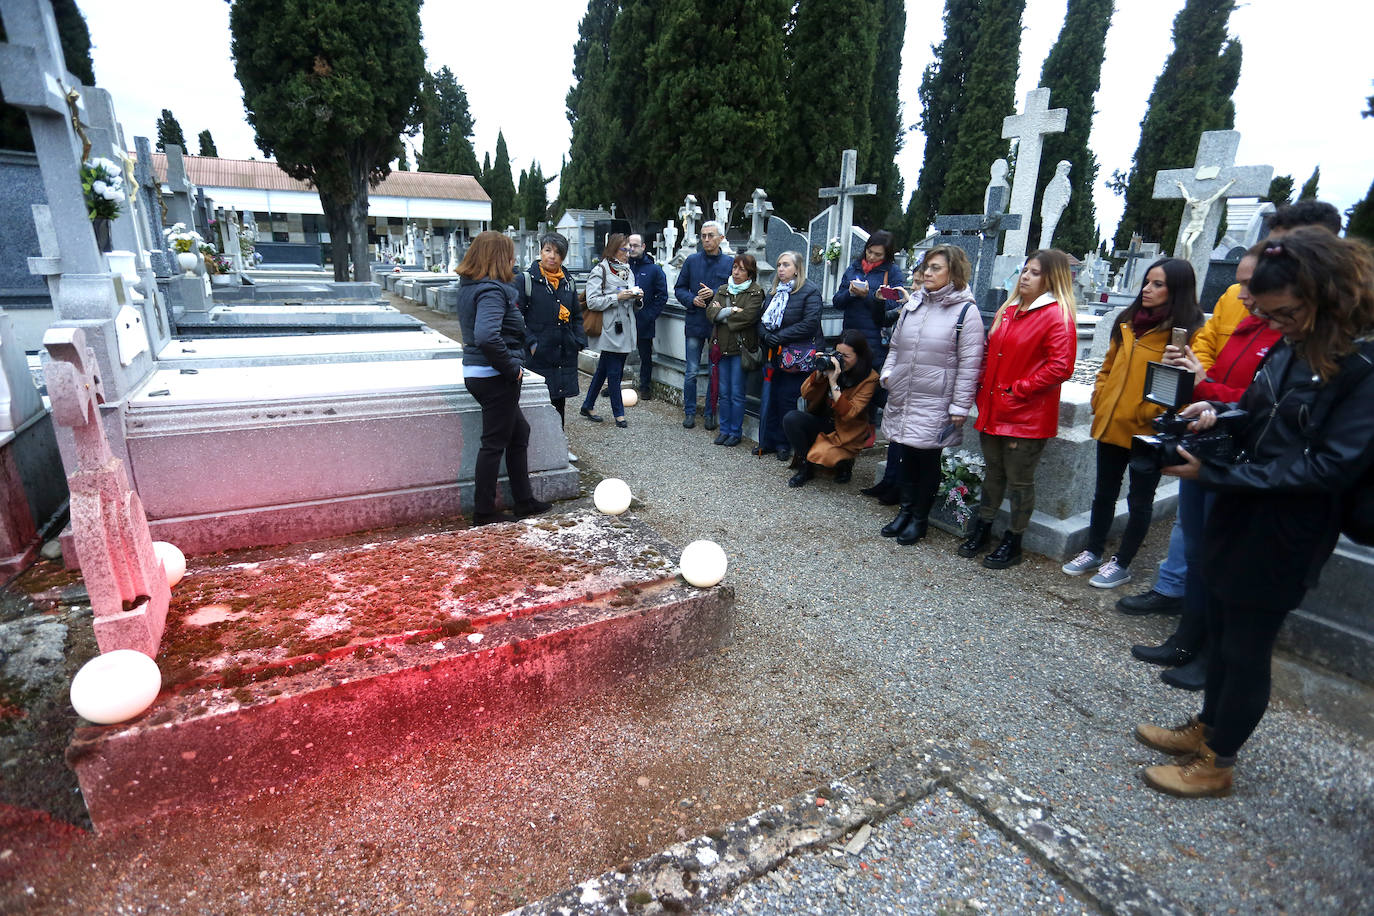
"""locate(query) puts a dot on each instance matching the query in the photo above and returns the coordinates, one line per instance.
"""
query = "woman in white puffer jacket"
(931, 377)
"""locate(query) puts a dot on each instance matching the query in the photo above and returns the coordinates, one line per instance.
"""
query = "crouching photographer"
(834, 427)
(1305, 452)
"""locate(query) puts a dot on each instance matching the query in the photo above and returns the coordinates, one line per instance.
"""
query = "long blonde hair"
(1054, 266)
(797, 261)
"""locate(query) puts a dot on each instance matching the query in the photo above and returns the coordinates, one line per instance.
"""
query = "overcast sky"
(1302, 87)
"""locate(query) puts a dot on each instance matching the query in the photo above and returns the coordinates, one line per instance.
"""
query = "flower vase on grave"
(187, 261)
(102, 234)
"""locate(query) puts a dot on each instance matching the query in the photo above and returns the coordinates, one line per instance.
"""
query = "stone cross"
(722, 210)
(977, 235)
(150, 209)
(1057, 194)
(844, 194)
(127, 583)
(1213, 177)
(1029, 129)
(179, 207)
(689, 212)
(758, 209)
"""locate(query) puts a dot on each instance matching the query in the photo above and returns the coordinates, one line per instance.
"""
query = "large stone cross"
(844, 195)
(179, 208)
(1029, 129)
(757, 210)
(722, 210)
(689, 213)
(1213, 178)
(151, 211)
(126, 581)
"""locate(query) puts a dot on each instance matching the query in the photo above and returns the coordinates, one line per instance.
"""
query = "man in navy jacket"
(650, 278)
(702, 274)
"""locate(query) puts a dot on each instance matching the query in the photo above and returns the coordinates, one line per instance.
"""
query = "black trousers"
(1240, 638)
(504, 432)
(802, 427)
(918, 477)
(1112, 463)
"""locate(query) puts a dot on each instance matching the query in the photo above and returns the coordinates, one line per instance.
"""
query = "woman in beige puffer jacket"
(931, 377)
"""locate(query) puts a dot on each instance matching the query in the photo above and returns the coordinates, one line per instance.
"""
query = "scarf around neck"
(1144, 320)
(869, 266)
(772, 318)
(736, 290)
(553, 279)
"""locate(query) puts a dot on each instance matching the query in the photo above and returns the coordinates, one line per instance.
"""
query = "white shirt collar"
(1044, 298)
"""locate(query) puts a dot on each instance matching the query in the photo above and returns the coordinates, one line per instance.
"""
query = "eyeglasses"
(624, 247)
(1287, 313)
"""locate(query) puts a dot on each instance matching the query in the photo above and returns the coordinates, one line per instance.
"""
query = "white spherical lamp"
(173, 561)
(703, 563)
(629, 397)
(115, 687)
(612, 496)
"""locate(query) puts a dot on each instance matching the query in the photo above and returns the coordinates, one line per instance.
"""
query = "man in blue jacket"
(702, 274)
(650, 278)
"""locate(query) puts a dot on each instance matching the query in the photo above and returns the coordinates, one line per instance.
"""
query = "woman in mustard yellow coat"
(1167, 300)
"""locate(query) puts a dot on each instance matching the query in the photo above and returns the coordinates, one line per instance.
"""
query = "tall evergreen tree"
(1073, 73)
(884, 211)
(522, 187)
(713, 106)
(1309, 187)
(169, 131)
(536, 197)
(1359, 219)
(500, 186)
(1192, 95)
(941, 95)
(584, 179)
(402, 163)
(832, 48)
(207, 144)
(627, 176)
(1280, 190)
(448, 126)
(989, 96)
(75, 39)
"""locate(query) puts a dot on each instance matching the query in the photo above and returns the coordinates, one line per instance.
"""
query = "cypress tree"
(536, 197)
(1192, 95)
(884, 211)
(1280, 190)
(402, 163)
(501, 187)
(1360, 218)
(628, 179)
(713, 107)
(169, 131)
(583, 182)
(447, 124)
(830, 81)
(1073, 73)
(486, 170)
(207, 144)
(1309, 187)
(989, 96)
(941, 95)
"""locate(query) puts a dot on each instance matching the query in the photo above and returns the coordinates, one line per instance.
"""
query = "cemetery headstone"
(1029, 129)
(1212, 178)
(179, 206)
(978, 235)
(844, 194)
(721, 208)
(149, 210)
(689, 213)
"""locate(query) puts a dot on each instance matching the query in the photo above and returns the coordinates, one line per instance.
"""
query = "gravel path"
(847, 648)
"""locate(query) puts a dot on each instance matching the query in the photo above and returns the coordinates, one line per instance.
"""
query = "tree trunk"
(336, 216)
(357, 214)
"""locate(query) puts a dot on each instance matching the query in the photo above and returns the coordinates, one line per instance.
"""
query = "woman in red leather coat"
(1030, 354)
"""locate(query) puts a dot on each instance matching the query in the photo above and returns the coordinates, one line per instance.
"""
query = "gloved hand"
(769, 338)
(725, 313)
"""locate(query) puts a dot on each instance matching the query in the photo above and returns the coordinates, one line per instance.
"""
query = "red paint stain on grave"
(230, 626)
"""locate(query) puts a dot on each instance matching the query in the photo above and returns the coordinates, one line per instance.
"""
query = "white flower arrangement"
(102, 181)
(182, 239)
(832, 250)
(961, 482)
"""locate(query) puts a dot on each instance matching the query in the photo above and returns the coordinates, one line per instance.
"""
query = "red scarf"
(1145, 319)
(869, 266)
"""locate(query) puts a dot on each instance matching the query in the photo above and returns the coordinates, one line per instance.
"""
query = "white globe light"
(629, 397)
(115, 687)
(612, 496)
(703, 563)
(172, 559)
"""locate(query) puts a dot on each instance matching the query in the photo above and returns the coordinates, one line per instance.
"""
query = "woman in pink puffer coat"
(931, 377)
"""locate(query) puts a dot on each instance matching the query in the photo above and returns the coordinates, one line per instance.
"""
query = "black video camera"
(1218, 445)
(827, 359)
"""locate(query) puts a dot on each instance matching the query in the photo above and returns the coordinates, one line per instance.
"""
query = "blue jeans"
(732, 377)
(1173, 571)
(609, 368)
(691, 368)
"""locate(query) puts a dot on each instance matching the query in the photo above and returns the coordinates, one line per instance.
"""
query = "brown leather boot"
(1184, 739)
(1199, 778)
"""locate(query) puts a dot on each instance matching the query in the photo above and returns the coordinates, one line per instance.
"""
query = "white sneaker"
(1110, 575)
(1082, 563)
(572, 459)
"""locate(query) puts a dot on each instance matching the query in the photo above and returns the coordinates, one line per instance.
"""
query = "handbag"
(797, 358)
(750, 359)
(593, 322)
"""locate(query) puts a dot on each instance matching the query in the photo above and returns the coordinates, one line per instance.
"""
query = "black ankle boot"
(914, 531)
(1008, 553)
(800, 478)
(878, 489)
(1192, 676)
(844, 471)
(977, 541)
(904, 517)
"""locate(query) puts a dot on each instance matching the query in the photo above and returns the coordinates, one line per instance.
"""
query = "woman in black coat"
(789, 326)
(553, 320)
(1307, 439)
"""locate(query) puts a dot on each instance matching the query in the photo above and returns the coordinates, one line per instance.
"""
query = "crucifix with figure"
(1213, 179)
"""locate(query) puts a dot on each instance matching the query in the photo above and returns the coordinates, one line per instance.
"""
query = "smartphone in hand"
(1178, 338)
(889, 293)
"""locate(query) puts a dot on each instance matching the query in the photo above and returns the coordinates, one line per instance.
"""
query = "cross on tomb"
(977, 235)
(844, 195)
(151, 209)
(689, 213)
(722, 210)
(179, 208)
(1213, 178)
(109, 526)
(1029, 129)
(669, 241)
(757, 209)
